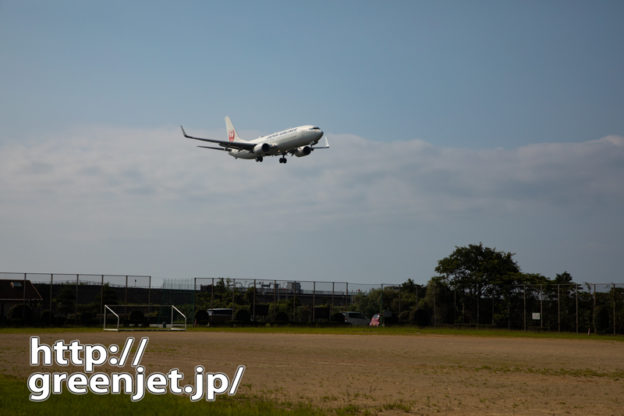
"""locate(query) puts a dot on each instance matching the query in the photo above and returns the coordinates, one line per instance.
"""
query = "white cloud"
(103, 185)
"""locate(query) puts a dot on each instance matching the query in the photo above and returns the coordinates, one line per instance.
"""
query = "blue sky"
(450, 123)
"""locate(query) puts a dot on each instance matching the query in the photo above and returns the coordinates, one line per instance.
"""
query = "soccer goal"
(143, 318)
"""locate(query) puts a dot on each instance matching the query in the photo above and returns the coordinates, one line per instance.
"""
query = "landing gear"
(283, 160)
(259, 159)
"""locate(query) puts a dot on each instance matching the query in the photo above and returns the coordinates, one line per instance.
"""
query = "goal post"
(143, 318)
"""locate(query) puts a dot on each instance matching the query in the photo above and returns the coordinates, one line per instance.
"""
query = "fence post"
(194, 298)
(594, 311)
(24, 299)
(126, 300)
(435, 315)
(294, 301)
(454, 305)
(76, 302)
(102, 293)
(51, 284)
(313, 301)
(524, 313)
(577, 311)
(558, 311)
(613, 290)
(212, 293)
(253, 313)
(381, 311)
(347, 294)
(478, 299)
(331, 308)
(149, 291)
(541, 307)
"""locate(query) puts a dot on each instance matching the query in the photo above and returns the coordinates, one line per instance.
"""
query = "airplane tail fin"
(231, 131)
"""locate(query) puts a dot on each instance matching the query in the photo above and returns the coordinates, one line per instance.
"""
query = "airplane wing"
(213, 147)
(223, 143)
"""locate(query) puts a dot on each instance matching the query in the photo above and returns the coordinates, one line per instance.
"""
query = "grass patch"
(558, 372)
(14, 401)
(48, 330)
(411, 330)
(397, 405)
(394, 330)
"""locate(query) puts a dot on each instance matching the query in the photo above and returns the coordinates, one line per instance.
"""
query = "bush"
(137, 318)
(419, 317)
(201, 317)
(281, 318)
(242, 315)
(404, 317)
(46, 317)
(321, 312)
(20, 314)
(305, 314)
(338, 318)
(262, 309)
(87, 318)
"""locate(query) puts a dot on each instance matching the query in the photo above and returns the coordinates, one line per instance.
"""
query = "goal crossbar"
(133, 319)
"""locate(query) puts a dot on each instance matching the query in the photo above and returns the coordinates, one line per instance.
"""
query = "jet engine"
(303, 151)
(261, 148)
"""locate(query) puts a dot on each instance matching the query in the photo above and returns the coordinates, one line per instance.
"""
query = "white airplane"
(299, 141)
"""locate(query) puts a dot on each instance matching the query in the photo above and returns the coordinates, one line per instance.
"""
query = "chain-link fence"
(68, 299)
(79, 299)
(589, 307)
(271, 301)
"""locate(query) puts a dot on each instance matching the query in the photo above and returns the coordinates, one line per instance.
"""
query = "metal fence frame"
(575, 307)
(553, 307)
(86, 289)
(337, 295)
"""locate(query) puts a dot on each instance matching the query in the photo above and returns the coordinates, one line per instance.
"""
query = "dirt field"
(419, 374)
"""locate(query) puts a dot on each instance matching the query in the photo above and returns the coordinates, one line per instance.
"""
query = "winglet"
(183, 132)
(322, 147)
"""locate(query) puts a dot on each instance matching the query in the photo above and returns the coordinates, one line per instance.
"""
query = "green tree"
(436, 302)
(368, 303)
(66, 300)
(217, 296)
(564, 278)
(475, 270)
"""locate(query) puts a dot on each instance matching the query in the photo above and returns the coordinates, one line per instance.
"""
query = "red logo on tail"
(231, 134)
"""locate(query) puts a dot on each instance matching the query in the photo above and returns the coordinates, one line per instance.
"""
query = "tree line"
(481, 286)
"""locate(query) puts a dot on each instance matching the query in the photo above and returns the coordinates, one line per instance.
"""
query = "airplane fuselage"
(282, 141)
(297, 141)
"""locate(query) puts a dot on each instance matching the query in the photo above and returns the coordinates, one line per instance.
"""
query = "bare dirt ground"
(393, 374)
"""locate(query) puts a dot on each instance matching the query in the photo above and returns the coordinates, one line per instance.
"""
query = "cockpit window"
(315, 128)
